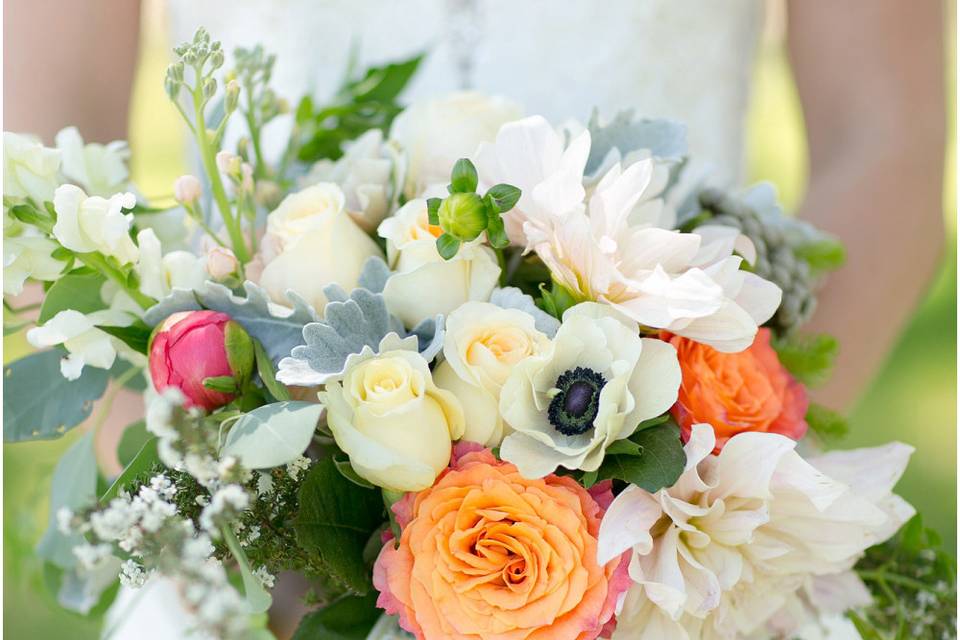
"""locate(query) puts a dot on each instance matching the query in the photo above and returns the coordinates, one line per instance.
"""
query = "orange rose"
(486, 553)
(737, 392)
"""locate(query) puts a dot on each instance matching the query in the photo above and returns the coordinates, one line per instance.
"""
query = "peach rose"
(486, 553)
(737, 392)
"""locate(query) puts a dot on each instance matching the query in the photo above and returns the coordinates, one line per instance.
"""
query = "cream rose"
(29, 168)
(424, 284)
(91, 223)
(482, 345)
(393, 421)
(311, 242)
(434, 134)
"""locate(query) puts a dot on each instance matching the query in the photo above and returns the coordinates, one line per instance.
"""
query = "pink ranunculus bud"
(187, 189)
(191, 346)
(221, 262)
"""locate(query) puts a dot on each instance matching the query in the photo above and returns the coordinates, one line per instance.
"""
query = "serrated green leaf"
(74, 486)
(78, 291)
(347, 618)
(463, 178)
(808, 358)
(142, 462)
(273, 435)
(335, 520)
(829, 425)
(660, 462)
(505, 195)
(29, 415)
(447, 246)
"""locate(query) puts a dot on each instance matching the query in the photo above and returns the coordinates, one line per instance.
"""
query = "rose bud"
(191, 346)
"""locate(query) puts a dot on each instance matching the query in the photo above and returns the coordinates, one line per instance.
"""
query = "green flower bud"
(216, 59)
(463, 215)
(232, 97)
(172, 87)
(209, 87)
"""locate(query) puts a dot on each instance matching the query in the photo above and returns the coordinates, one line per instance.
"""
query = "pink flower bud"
(187, 189)
(191, 346)
(228, 163)
(221, 262)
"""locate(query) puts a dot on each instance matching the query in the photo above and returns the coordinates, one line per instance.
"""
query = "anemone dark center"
(574, 408)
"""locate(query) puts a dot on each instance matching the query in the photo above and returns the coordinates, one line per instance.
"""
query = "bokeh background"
(913, 398)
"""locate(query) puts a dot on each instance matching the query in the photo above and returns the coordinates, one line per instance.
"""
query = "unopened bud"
(228, 163)
(232, 96)
(221, 262)
(216, 58)
(187, 189)
(463, 215)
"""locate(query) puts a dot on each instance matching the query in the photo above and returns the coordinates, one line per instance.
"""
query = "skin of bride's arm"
(870, 75)
(69, 63)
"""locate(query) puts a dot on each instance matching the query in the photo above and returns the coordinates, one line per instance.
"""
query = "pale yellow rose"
(393, 421)
(482, 345)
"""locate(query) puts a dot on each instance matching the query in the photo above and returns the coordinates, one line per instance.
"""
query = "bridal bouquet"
(472, 374)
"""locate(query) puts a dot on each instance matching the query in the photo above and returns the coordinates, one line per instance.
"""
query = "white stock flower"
(91, 223)
(100, 169)
(482, 344)
(423, 283)
(27, 255)
(310, 243)
(393, 421)
(367, 173)
(724, 549)
(29, 168)
(84, 342)
(160, 273)
(594, 386)
(685, 283)
(434, 134)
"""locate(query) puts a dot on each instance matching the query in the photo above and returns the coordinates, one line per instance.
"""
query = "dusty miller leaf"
(627, 133)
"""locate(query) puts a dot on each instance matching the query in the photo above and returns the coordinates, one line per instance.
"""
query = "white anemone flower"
(690, 284)
(84, 342)
(728, 546)
(590, 387)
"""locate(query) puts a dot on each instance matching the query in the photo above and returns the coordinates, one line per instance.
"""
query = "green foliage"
(822, 254)
(447, 246)
(361, 104)
(268, 374)
(808, 358)
(40, 404)
(652, 458)
(132, 439)
(463, 177)
(830, 426)
(74, 486)
(913, 581)
(136, 336)
(335, 520)
(272, 435)
(557, 300)
(258, 599)
(78, 290)
(347, 618)
(142, 462)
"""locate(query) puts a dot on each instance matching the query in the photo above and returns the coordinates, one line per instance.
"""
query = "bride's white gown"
(689, 60)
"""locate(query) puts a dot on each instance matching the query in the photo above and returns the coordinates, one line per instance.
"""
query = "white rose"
(91, 223)
(84, 342)
(482, 345)
(310, 243)
(434, 134)
(595, 386)
(100, 169)
(424, 284)
(367, 173)
(393, 421)
(29, 168)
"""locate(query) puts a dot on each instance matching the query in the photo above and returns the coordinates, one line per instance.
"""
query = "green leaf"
(433, 211)
(808, 358)
(30, 386)
(589, 479)
(132, 439)
(463, 178)
(623, 447)
(268, 374)
(652, 422)
(258, 598)
(659, 463)
(141, 463)
(347, 618)
(829, 425)
(505, 195)
(384, 83)
(273, 435)
(346, 470)
(223, 384)
(825, 254)
(335, 520)
(74, 486)
(557, 300)
(496, 234)
(136, 336)
(447, 246)
(78, 291)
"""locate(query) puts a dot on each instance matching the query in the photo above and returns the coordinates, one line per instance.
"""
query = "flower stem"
(98, 262)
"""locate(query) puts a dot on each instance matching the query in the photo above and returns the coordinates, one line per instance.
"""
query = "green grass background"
(913, 398)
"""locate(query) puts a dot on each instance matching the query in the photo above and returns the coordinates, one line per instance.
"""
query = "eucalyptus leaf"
(40, 404)
(78, 291)
(258, 598)
(278, 328)
(142, 462)
(74, 486)
(83, 589)
(335, 520)
(273, 435)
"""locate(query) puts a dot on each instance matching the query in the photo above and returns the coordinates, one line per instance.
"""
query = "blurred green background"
(913, 399)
